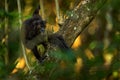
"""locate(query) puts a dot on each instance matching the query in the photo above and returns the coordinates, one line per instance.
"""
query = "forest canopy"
(90, 27)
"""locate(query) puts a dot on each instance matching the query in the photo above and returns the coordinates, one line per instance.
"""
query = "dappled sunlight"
(108, 58)
(20, 64)
(5, 39)
(77, 43)
(28, 7)
(89, 54)
(95, 51)
(78, 65)
(27, 10)
(52, 28)
(28, 50)
(56, 28)
(115, 74)
(30, 56)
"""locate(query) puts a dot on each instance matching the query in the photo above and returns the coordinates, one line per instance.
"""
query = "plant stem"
(42, 9)
(6, 33)
(23, 48)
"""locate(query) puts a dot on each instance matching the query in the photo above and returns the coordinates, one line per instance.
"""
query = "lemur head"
(38, 24)
(35, 25)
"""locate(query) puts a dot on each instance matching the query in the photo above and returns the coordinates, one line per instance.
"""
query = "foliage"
(92, 62)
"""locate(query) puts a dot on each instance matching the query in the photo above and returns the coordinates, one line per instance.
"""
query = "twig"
(42, 9)
(57, 9)
(23, 48)
(6, 33)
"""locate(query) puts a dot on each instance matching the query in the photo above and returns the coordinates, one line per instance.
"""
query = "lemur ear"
(36, 12)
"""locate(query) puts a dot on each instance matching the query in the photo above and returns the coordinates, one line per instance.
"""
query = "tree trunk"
(79, 19)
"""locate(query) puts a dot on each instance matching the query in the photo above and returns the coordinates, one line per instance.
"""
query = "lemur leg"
(37, 55)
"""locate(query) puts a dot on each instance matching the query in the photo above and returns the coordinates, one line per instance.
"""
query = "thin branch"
(23, 48)
(6, 33)
(42, 9)
(76, 23)
(57, 9)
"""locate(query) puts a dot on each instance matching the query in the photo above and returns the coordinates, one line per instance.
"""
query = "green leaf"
(93, 44)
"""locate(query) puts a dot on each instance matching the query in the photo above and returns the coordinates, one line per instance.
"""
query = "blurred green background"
(97, 48)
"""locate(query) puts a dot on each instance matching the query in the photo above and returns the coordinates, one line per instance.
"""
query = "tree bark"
(76, 22)
(79, 19)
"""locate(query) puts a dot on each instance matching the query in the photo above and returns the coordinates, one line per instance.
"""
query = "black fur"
(35, 26)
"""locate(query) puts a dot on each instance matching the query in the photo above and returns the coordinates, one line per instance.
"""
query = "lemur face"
(34, 26)
(38, 25)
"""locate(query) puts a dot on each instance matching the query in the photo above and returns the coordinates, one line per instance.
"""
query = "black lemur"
(36, 26)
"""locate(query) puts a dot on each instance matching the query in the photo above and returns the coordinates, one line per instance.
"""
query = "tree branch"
(79, 19)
